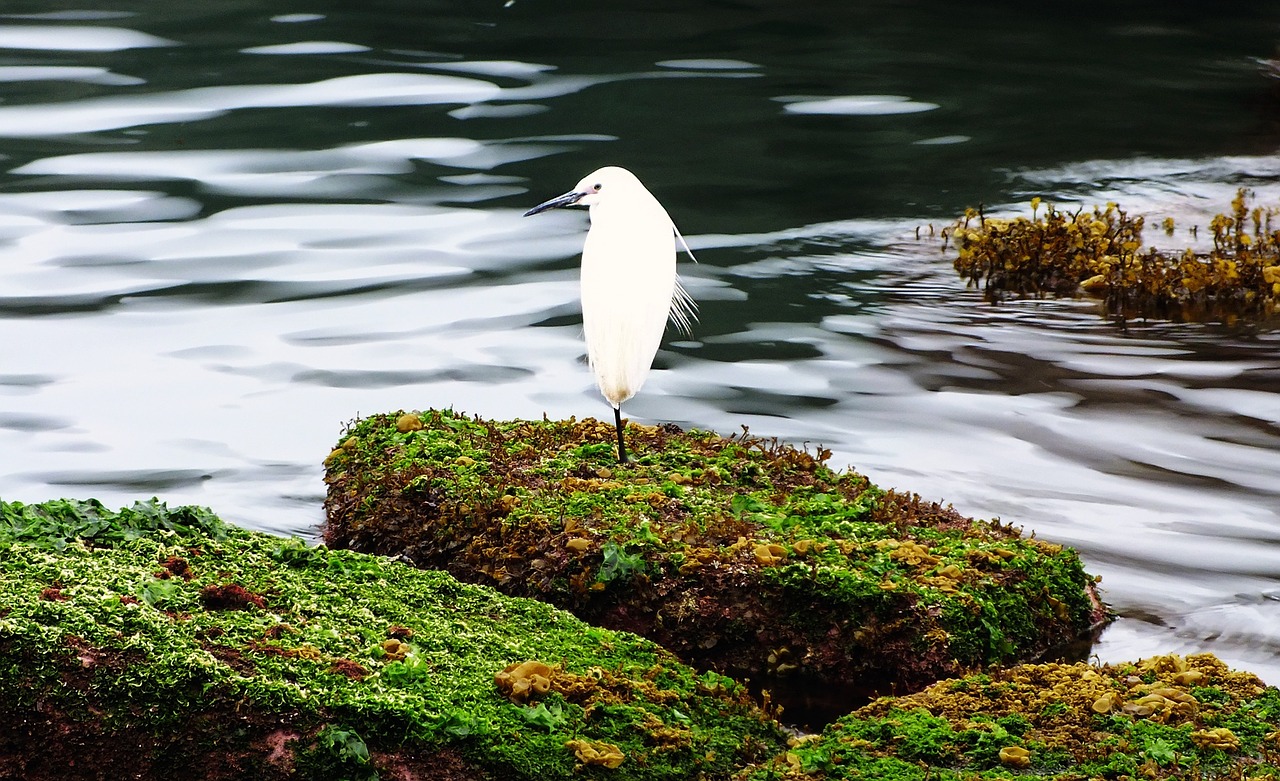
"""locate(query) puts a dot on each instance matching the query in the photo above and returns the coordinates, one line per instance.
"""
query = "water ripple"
(76, 38)
(113, 113)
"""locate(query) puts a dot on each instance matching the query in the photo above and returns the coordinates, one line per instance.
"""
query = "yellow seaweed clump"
(770, 554)
(591, 752)
(409, 421)
(1099, 252)
(1220, 738)
(522, 680)
(1052, 254)
(908, 552)
(1015, 756)
(395, 649)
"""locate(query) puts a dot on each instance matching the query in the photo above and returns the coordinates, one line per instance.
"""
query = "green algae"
(740, 554)
(1166, 717)
(159, 616)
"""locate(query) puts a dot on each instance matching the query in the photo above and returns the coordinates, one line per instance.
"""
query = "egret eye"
(596, 187)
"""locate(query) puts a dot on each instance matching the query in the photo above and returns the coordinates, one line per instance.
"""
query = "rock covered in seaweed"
(152, 639)
(1166, 717)
(742, 555)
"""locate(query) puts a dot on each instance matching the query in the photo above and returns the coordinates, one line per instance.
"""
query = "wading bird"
(629, 283)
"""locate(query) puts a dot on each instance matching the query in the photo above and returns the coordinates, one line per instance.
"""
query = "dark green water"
(226, 230)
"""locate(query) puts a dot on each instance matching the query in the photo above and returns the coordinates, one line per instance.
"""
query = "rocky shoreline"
(151, 641)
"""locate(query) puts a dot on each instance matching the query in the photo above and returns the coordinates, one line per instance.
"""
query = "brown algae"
(1099, 252)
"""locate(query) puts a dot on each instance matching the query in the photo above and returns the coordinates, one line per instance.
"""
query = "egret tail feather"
(684, 310)
(683, 243)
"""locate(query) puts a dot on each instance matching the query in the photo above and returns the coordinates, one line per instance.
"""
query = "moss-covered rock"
(742, 555)
(1165, 717)
(153, 642)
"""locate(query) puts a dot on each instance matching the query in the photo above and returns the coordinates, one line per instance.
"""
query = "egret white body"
(629, 283)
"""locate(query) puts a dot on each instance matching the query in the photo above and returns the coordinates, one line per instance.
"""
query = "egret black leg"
(622, 447)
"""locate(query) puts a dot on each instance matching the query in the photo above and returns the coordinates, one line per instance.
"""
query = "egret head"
(608, 182)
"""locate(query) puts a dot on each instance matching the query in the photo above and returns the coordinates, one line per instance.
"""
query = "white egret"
(629, 283)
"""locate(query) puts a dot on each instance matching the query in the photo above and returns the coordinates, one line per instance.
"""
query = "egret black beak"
(558, 202)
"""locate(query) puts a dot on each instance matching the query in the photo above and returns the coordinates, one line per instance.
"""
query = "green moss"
(154, 622)
(740, 554)
(1055, 721)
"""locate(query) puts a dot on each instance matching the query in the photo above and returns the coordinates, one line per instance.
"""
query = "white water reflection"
(854, 105)
(88, 75)
(113, 113)
(307, 48)
(708, 64)
(65, 37)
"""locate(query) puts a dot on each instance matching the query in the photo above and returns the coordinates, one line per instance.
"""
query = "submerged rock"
(157, 643)
(742, 555)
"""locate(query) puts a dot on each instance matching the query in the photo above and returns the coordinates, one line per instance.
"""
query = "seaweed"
(1099, 252)
(1166, 717)
(268, 658)
(741, 554)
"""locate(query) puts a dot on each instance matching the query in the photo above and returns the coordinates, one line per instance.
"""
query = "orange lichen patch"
(309, 652)
(230, 596)
(594, 686)
(591, 752)
(522, 680)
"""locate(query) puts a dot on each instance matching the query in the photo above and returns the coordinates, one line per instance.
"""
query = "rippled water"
(225, 232)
